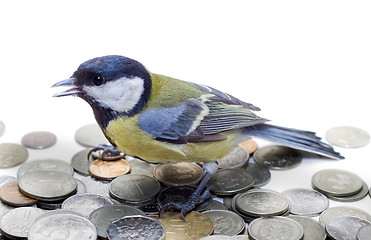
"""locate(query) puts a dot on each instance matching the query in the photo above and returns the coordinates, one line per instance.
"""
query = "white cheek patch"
(120, 95)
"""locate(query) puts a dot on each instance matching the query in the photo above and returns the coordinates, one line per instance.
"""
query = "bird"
(163, 119)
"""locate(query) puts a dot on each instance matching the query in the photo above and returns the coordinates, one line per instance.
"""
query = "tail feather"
(299, 139)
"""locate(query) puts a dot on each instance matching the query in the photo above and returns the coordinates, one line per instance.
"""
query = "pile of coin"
(340, 185)
(121, 197)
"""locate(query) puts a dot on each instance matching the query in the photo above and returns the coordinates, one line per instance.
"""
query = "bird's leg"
(107, 151)
(198, 196)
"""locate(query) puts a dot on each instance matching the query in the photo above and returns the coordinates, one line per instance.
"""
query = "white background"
(305, 63)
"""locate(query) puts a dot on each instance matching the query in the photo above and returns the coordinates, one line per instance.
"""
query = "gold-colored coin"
(249, 145)
(108, 170)
(11, 195)
(195, 226)
(182, 173)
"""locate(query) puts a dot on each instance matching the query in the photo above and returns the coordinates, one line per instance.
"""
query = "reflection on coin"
(62, 225)
(54, 165)
(47, 186)
(238, 157)
(108, 170)
(343, 210)
(225, 222)
(12, 154)
(173, 174)
(136, 227)
(39, 140)
(5, 179)
(96, 186)
(142, 167)
(195, 225)
(313, 230)
(278, 157)
(90, 136)
(181, 194)
(306, 201)
(347, 137)
(85, 203)
(231, 181)
(16, 222)
(216, 205)
(345, 227)
(364, 233)
(80, 162)
(103, 216)
(11, 195)
(355, 197)
(275, 228)
(336, 182)
(2, 128)
(249, 145)
(261, 174)
(262, 203)
(134, 188)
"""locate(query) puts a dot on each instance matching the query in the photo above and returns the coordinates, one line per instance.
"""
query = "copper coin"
(108, 170)
(11, 195)
(249, 145)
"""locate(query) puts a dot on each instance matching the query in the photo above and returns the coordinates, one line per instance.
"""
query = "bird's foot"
(195, 199)
(106, 152)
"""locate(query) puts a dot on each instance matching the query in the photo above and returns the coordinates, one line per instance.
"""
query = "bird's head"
(114, 83)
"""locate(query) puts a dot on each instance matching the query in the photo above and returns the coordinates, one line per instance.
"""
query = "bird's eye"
(98, 80)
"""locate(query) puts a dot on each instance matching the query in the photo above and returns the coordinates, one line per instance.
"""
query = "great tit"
(163, 119)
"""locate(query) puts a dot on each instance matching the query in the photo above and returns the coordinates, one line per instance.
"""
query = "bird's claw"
(189, 205)
(108, 152)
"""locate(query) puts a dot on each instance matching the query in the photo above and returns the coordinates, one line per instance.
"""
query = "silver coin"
(90, 136)
(103, 216)
(343, 210)
(262, 203)
(277, 157)
(47, 186)
(313, 230)
(39, 140)
(225, 222)
(12, 154)
(53, 165)
(238, 157)
(306, 201)
(57, 225)
(356, 197)
(347, 137)
(2, 128)
(261, 174)
(141, 167)
(81, 188)
(15, 223)
(345, 227)
(231, 181)
(134, 188)
(275, 228)
(80, 162)
(364, 233)
(338, 183)
(85, 203)
(136, 227)
(4, 208)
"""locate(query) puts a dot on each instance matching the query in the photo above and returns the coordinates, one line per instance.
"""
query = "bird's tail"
(298, 139)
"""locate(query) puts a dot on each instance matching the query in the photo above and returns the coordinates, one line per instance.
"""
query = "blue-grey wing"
(173, 123)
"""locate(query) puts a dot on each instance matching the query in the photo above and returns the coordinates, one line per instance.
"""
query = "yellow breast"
(130, 139)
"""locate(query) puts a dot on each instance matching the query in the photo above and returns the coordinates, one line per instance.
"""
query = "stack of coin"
(340, 185)
(257, 203)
